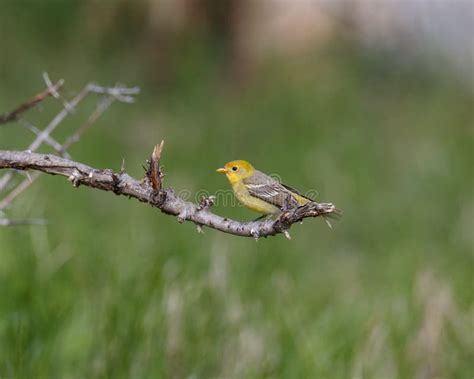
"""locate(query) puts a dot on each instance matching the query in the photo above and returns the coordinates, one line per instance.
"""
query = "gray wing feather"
(268, 189)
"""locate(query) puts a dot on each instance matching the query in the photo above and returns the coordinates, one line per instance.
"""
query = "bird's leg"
(289, 203)
(260, 218)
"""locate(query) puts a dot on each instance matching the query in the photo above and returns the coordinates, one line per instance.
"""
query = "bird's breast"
(254, 203)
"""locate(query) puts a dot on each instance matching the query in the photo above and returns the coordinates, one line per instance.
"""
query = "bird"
(260, 192)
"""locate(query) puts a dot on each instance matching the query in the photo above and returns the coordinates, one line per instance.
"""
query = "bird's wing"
(297, 192)
(267, 189)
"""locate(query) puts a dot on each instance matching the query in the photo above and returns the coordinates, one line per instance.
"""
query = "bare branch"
(102, 106)
(108, 96)
(119, 92)
(45, 134)
(8, 222)
(55, 93)
(166, 200)
(50, 141)
(19, 189)
(13, 115)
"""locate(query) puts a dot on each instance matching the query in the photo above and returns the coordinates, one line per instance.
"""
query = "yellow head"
(236, 170)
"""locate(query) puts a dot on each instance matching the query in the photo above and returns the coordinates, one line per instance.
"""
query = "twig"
(55, 93)
(57, 120)
(19, 189)
(167, 201)
(44, 135)
(119, 93)
(8, 222)
(48, 140)
(102, 106)
(13, 115)
(154, 173)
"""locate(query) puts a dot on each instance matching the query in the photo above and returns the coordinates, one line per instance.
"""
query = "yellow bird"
(260, 192)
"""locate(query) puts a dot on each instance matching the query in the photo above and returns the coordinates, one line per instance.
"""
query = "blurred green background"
(111, 288)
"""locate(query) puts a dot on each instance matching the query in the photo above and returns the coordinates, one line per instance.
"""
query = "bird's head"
(236, 170)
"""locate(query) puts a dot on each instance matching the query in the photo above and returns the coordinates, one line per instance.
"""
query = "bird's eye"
(234, 168)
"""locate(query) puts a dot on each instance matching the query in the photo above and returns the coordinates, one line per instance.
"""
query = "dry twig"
(107, 97)
(154, 173)
(13, 115)
(8, 222)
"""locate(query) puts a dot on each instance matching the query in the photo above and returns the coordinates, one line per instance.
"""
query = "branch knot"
(206, 202)
(76, 177)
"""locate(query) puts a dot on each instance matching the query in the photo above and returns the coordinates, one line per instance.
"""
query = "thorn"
(122, 168)
(183, 215)
(200, 229)
(327, 222)
(206, 202)
(75, 178)
(287, 234)
(255, 233)
(157, 150)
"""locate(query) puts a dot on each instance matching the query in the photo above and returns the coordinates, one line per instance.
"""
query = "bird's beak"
(222, 170)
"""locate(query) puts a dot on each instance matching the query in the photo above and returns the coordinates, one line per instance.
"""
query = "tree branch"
(13, 115)
(107, 95)
(166, 200)
(8, 222)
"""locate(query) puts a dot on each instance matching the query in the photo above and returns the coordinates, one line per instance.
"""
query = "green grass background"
(111, 288)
